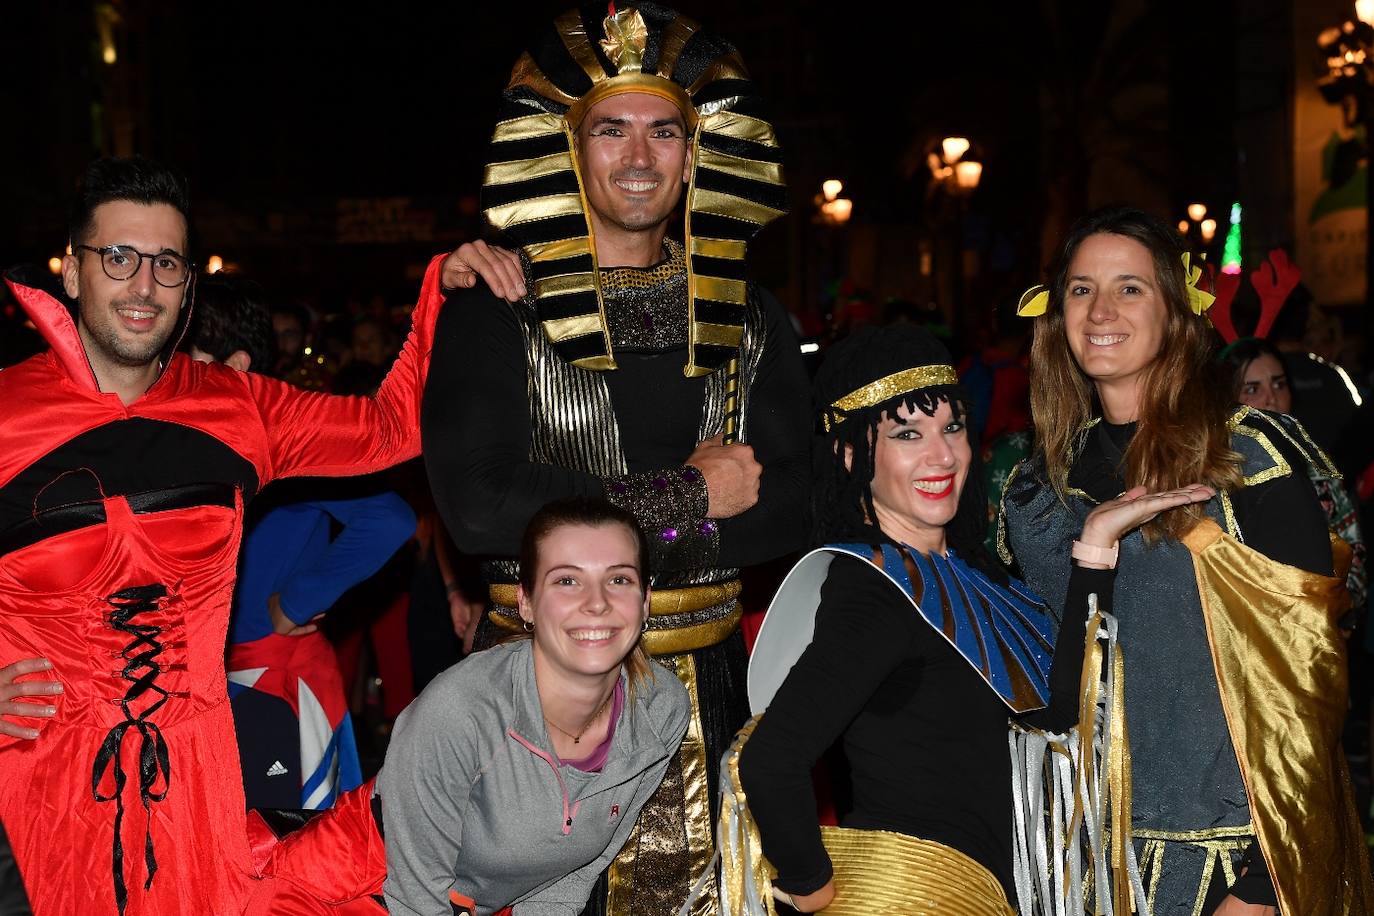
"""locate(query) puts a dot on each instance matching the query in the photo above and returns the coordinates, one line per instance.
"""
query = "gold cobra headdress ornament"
(532, 192)
(1036, 300)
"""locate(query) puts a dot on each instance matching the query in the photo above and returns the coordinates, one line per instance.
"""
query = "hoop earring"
(529, 627)
(645, 627)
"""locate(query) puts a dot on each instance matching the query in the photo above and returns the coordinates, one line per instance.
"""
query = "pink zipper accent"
(568, 813)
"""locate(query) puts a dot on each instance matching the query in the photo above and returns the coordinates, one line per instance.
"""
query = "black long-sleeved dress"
(924, 735)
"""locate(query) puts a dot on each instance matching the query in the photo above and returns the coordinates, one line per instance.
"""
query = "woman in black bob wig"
(923, 647)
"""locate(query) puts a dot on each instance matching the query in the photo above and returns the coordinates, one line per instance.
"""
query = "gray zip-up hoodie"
(473, 799)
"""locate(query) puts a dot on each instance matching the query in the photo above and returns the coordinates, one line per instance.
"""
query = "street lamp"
(214, 264)
(955, 173)
(950, 169)
(954, 148)
(831, 208)
(1349, 83)
(1196, 212)
(967, 174)
(1209, 230)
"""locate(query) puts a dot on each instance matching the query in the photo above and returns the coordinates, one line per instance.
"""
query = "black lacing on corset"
(141, 669)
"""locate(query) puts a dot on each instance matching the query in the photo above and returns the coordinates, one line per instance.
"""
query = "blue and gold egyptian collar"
(1004, 632)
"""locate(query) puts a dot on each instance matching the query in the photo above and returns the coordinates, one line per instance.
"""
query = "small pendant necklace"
(577, 738)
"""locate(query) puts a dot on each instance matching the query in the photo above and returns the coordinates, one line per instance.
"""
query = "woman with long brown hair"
(1234, 672)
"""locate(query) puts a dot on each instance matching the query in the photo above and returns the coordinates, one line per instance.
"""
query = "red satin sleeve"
(315, 434)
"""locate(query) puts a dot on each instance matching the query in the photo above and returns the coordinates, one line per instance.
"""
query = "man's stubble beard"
(135, 354)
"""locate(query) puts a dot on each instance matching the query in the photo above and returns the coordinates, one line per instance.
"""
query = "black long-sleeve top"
(924, 735)
(476, 430)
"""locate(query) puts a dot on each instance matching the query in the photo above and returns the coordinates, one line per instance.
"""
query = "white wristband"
(1090, 553)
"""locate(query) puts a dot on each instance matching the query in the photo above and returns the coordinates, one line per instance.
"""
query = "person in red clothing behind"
(124, 470)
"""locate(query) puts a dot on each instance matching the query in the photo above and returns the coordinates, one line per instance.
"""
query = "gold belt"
(663, 602)
(877, 871)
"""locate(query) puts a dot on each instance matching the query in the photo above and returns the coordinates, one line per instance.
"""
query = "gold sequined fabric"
(890, 386)
(671, 842)
(1281, 668)
(881, 872)
(619, 279)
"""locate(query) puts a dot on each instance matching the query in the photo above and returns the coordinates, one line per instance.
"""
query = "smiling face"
(1265, 385)
(634, 159)
(1115, 316)
(589, 600)
(126, 323)
(919, 466)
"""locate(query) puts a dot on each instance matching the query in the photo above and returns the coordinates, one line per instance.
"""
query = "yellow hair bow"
(1199, 300)
(1033, 302)
(1036, 300)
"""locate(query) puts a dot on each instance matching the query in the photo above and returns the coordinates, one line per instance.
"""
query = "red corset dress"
(138, 769)
(119, 535)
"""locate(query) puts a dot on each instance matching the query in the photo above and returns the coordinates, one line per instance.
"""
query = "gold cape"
(1281, 668)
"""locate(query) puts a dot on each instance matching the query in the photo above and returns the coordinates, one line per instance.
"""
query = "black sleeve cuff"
(1255, 886)
(809, 884)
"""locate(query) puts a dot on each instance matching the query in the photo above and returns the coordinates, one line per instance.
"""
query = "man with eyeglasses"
(124, 470)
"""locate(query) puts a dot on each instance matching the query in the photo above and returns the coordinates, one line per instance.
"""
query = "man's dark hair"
(232, 314)
(136, 179)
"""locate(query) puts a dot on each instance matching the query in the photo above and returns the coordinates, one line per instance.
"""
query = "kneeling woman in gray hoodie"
(516, 777)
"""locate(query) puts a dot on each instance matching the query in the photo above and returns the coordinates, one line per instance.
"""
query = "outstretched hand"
(499, 268)
(1114, 519)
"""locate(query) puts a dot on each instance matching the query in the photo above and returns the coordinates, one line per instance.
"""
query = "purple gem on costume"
(647, 320)
(689, 473)
(668, 534)
(660, 483)
(707, 526)
(619, 489)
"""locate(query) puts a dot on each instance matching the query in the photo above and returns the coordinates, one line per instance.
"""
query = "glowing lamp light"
(1209, 230)
(954, 148)
(1365, 10)
(838, 210)
(55, 265)
(1183, 227)
(968, 173)
(831, 188)
(1196, 212)
(214, 264)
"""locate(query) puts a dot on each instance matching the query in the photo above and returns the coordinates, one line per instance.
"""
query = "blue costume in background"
(295, 736)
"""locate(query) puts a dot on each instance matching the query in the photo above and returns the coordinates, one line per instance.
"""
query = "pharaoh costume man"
(603, 380)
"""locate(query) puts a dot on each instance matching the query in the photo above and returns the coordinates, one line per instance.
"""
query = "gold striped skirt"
(877, 871)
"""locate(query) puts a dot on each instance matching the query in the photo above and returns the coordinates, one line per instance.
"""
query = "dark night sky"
(285, 107)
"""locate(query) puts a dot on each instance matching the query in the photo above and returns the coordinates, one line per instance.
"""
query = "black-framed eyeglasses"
(121, 262)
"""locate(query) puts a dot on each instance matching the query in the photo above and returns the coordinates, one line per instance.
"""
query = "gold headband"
(646, 83)
(888, 387)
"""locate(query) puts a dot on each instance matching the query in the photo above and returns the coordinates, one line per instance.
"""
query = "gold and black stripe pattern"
(532, 191)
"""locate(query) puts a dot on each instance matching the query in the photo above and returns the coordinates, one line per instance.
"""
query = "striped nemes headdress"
(532, 191)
